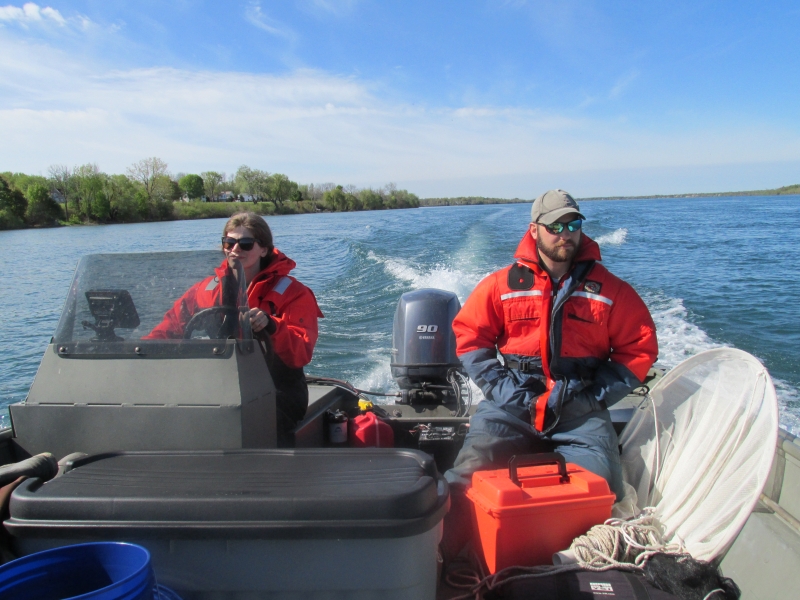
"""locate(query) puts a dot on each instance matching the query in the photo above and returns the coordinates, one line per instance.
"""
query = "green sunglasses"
(557, 228)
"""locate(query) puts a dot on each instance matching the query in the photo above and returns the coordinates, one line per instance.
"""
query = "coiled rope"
(619, 543)
(616, 544)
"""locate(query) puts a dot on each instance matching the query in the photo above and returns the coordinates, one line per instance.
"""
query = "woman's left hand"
(258, 319)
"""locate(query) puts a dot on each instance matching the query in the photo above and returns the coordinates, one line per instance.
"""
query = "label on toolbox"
(601, 587)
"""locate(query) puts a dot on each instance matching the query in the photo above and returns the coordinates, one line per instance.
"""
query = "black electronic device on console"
(110, 309)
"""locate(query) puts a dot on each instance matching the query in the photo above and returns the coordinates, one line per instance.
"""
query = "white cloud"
(31, 17)
(31, 13)
(315, 126)
(50, 13)
(337, 7)
(11, 13)
(622, 84)
(256, 16)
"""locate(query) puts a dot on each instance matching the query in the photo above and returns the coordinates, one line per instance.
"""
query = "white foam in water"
(615, 238)
(678, 338)
(378, 379)
(440, 276)
(789, 419)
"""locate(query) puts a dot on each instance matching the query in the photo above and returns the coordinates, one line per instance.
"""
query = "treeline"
(787, 190)
(149, 192)
(465, 200)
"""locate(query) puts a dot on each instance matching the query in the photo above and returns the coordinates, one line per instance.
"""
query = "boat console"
(105, 385)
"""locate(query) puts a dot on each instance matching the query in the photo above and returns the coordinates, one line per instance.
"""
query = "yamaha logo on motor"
(427, 329)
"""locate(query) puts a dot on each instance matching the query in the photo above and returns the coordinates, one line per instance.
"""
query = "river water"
(713, 271)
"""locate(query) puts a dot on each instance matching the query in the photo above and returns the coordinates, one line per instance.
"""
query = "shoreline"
(233, 207)
(789, 190)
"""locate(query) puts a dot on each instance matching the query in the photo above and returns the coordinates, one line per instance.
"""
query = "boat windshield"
(160, 303)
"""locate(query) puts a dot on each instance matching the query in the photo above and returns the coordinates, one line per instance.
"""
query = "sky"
(500, 98)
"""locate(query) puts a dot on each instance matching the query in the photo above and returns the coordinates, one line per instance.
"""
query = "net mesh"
(717, 420)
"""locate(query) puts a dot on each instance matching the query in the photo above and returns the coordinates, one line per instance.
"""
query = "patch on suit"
(593, 287)
(520, 277)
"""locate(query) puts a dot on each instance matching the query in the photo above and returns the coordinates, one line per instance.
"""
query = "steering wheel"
(218, 321)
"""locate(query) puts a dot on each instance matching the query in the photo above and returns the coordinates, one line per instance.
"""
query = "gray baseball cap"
(551, 206)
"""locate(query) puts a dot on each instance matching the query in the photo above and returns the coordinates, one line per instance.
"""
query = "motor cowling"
(424, 345)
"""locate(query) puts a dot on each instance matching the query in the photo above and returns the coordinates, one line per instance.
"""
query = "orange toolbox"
(534, 508)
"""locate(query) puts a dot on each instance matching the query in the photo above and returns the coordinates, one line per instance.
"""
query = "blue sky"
(492, 97)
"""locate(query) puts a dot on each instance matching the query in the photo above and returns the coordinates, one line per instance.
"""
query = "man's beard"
(558, 253)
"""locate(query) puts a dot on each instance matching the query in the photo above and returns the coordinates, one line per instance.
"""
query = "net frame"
(716, 415)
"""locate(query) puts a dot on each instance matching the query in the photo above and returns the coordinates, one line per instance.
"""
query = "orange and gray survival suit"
(293, 313)
(571, 350)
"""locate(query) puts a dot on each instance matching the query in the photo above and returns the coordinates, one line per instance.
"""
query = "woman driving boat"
(283, 311)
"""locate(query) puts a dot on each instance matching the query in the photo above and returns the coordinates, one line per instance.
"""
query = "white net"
(717, 420)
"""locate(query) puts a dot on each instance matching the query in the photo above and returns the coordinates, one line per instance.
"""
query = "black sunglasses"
(244, 243)
(557, 228)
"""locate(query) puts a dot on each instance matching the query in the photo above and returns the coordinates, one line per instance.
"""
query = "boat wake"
(679, 338)
(378, 378)
(439, 276)
(787, 398)
(615, 238)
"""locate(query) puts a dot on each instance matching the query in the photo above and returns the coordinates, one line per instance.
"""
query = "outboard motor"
(425, 365)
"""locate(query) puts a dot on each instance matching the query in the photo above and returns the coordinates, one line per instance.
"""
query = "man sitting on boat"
(283, 311)
(575, 340)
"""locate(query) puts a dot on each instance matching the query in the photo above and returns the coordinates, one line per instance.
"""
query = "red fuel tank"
(368, 430)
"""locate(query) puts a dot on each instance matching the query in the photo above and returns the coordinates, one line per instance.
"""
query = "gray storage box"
(325, 523)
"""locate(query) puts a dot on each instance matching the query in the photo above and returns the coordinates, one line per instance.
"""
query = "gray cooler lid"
(309, 493)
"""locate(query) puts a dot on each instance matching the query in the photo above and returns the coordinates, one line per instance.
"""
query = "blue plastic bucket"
(94, 571)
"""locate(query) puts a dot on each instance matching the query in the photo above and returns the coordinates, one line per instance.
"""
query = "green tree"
(394, 198)
(12, 199)
(22, 181)
(371, 199)
(261, 185)
(315, 192)
(88, 185)
(42, 208)
(254, 182)
(101, 208)
(192, 186)
(245, 180)
(162, 210)
(405, 199)
(165, 190)
(62, 184)
(12, 206)
(142, 203)
(212, 182)
(281, 188)
(230, 184)
(335, 199)
(147, 172)
(121, 192)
